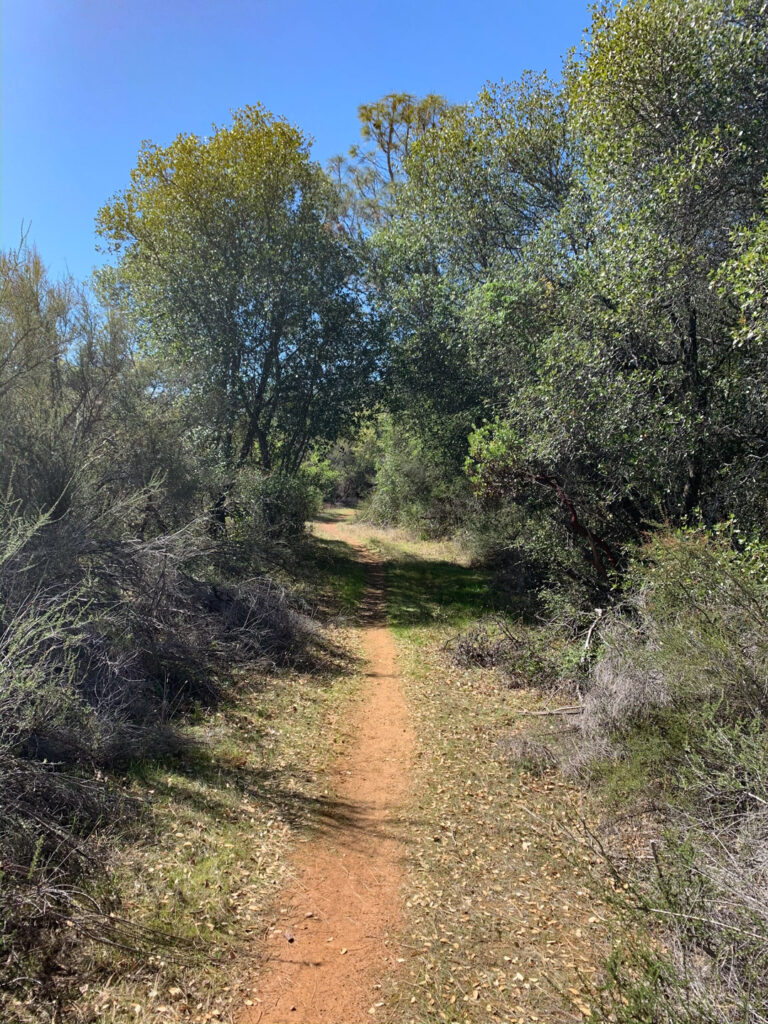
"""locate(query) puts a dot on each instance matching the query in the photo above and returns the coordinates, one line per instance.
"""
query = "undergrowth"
(182, 850)
(676, 722)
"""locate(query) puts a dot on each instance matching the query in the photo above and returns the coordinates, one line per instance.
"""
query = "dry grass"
(195, 887)
(398, 542)
(503, 924)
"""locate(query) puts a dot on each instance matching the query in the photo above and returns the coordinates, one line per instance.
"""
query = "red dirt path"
(337, 940)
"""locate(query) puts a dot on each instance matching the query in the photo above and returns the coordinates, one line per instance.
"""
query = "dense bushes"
(345, 472)
(272, 508)
(132, 580)
(572, 286)
(105, 639)
(677, 719)
(689, 642)
(417, 485)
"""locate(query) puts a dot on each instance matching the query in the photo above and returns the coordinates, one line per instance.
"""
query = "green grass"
(331, 578)
(421, 591)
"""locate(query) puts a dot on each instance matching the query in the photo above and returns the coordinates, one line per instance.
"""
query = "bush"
(125, 600)
(345, 472)
(274, 509)
(417, 486)
(678, 715)
(520, 655)
(104, 640)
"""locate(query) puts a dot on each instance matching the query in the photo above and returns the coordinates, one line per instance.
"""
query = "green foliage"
(677, 715)
(86, 421)
(236, 274)
(484, 181)
(274, 508)
(416, 484)
(562, 274)
(698, 634)
(344, 472)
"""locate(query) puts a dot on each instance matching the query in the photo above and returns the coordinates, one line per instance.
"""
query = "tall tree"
(235, 270)
(368, 175)
(636, 406)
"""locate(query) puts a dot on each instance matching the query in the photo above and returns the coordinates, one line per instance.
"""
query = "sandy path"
(334, 943)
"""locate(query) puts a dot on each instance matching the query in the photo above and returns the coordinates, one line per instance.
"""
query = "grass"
(428, 582)
(335, 571)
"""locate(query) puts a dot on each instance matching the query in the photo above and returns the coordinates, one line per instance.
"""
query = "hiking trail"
(334, 940)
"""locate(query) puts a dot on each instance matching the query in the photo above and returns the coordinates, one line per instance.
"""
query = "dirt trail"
(334, 942)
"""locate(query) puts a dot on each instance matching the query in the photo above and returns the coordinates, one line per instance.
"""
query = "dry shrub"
(678, 716)
(532, 755)
(105, 639)
(495, 643)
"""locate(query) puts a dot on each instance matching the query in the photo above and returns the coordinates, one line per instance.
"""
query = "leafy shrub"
(346, 470)
(275, 508)
(418, 486)
(678, 714)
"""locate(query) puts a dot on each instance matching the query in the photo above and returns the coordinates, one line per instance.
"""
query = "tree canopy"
(236, 272)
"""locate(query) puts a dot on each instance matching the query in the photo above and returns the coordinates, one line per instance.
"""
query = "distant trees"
(237, 275)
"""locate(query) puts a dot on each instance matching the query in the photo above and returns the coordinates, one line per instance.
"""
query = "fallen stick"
(571, 709)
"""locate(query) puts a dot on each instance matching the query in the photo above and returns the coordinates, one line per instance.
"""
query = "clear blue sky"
(85, 81)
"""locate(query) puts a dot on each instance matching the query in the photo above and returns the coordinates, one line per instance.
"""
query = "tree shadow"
(334, 577)
(420, 591)
(334, 515)
(265, 788)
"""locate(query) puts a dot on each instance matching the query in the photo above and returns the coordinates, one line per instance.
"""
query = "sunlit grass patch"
(401, 541)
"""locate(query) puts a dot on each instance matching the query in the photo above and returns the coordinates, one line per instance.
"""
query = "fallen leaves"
(501, 920)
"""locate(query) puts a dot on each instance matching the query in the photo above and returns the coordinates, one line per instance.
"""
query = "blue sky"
(85, 81)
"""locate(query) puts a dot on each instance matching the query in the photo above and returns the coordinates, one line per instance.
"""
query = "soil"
(336, 939)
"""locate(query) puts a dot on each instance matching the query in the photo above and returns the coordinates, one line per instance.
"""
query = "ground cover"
(503, 922)
(194, 878)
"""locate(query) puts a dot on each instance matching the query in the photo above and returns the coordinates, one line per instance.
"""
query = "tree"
(478, 188)
(671, 106)
(636, 406)
(367, 177)
(235, 271)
